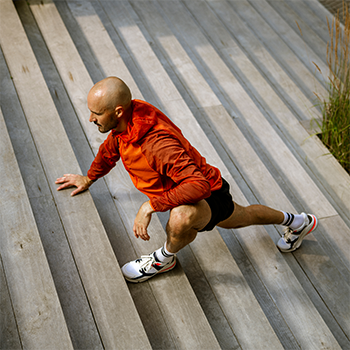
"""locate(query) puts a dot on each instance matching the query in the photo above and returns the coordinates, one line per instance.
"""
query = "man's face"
(105, 119)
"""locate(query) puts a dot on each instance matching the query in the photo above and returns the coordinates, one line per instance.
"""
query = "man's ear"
(119, 110)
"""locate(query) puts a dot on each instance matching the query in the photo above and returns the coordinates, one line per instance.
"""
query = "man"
(163, 165)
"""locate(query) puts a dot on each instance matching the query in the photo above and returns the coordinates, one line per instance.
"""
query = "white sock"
(163, 255)
(294, 221)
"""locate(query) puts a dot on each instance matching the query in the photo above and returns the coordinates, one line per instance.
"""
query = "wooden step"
(285, 44)
(36, 307)
(262, 59)
(115, 314)
(75, 306)
(311, 18)
(321, 12)
(9, 337)
(301, 27)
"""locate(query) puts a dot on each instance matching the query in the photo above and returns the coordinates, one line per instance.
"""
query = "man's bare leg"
(184, 223)
(298, 226)
(255, 214)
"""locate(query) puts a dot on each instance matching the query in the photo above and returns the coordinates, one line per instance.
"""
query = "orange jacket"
(160, 161)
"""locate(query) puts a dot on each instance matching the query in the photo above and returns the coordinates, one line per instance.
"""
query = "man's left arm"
(169, 158)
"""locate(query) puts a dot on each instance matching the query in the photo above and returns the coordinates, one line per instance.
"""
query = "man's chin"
(102, 130)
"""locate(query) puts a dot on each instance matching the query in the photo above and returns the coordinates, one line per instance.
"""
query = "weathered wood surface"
(238, 78)
(36, 308)
(76, 309)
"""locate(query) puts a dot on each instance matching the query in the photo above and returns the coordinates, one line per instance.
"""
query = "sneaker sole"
(308, 229)
(143, 279)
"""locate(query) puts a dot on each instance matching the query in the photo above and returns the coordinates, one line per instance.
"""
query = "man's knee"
(181, 219)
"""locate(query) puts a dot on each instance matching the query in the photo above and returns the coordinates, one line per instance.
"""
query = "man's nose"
(92, 118)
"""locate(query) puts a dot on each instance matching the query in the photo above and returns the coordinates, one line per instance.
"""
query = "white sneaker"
(146, 267)
(291, 240)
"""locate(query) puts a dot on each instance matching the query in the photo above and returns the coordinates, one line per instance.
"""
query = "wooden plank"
(114, 311)
(310, 17)
(342, 250)
(309, 36)
(212, 308)
(321, 11)
(9, 337)
(312, 293)
(75, 306)
(232, 31)
(174, 291)
(109, 35)
(284, 46)
(35, 302)
(99, 41)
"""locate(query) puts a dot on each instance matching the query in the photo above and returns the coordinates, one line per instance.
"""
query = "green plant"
(335, 128)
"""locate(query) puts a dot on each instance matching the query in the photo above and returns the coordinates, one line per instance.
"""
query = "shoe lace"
(287, 233)
(146, 262)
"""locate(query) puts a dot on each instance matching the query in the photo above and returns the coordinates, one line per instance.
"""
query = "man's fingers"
(60, 180)
(65, 185)
(78, 190)
(64, 178)
(140, 231)
(135, 231)
(144, 235)
(74, 192)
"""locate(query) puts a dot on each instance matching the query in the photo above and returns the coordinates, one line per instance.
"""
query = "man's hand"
(70, 180)
(142, 221)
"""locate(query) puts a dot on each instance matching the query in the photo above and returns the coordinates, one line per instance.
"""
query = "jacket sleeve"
(106, 158)
(168, 157)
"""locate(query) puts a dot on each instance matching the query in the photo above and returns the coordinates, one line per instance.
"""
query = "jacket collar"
(142, 120)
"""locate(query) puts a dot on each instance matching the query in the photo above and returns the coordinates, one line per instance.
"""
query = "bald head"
(110, 93)
(109, 102)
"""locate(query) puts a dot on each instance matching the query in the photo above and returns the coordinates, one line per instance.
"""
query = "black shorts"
(221, 205)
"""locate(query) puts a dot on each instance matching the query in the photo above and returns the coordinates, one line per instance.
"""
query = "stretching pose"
(163, 165)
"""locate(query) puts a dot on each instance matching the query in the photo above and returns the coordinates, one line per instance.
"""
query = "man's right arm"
(106, 158)
(104, 161)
